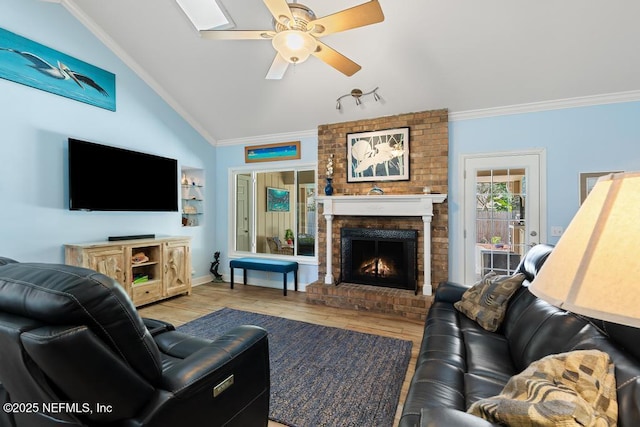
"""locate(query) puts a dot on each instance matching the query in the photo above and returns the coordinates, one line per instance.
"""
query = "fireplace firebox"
(379, 257)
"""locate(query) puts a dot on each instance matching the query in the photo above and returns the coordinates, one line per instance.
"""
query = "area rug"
(322, 376)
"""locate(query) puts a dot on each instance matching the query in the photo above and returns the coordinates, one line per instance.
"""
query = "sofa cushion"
(486, 301)
(570, 389)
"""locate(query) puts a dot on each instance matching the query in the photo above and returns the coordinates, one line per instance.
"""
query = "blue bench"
(263, 264)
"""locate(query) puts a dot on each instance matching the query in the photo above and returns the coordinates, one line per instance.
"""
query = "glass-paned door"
(502, 213)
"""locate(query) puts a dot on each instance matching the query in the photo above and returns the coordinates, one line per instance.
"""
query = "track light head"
(357, 94)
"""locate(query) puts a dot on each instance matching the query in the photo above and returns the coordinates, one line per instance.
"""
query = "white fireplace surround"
(382, 205)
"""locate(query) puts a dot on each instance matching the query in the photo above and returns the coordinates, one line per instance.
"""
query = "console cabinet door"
(177, 268)
(110, 262)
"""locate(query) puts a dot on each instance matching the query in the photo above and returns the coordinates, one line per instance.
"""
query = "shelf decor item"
(378, 156)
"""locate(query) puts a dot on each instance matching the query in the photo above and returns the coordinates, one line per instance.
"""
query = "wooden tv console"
(163, 271)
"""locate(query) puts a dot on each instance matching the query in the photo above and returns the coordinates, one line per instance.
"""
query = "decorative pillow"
(276, 239)
(569, 389)
(486, 301)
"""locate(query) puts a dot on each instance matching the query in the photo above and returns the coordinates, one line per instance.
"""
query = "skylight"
(206, 14)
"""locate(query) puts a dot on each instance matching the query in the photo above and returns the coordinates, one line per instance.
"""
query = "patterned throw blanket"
(569, 389)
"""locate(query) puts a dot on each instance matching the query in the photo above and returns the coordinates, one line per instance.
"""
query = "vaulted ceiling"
(463, 55)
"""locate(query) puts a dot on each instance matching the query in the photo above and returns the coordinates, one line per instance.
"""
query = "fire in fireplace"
(379, 257)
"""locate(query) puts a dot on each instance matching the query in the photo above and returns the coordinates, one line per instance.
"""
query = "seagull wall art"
(61, 72)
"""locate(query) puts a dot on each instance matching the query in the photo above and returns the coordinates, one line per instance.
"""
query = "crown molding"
(266, 139)
(97, 31)
(558, 104)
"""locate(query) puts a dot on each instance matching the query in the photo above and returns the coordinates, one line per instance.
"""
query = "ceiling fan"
(296, 32)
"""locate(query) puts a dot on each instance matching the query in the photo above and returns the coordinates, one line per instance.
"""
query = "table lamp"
(594, 270)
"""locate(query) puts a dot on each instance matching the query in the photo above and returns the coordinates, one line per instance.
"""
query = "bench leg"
(284, 283)
(232, 277)
(244, 276)
(295, 280)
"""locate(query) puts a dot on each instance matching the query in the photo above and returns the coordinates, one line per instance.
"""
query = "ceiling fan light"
(294, 46)
(376, 97)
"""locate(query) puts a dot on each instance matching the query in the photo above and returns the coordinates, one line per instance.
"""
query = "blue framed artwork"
(272, 152)
(33, 64)
(277, 200)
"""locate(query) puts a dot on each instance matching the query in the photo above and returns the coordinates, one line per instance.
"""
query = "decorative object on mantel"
(357, 94)
(426, 189)
(185, 180)
(376, 191)
(30, 63)
(272, 152)
(378, 156)
(328, 189)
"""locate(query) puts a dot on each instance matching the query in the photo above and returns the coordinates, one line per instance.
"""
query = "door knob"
(533, 233)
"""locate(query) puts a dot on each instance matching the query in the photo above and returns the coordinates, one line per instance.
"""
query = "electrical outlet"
(556, 231)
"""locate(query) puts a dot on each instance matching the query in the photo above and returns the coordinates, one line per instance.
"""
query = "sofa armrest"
(156, 327)
(447, 417)
(450, 292)
(244, 346)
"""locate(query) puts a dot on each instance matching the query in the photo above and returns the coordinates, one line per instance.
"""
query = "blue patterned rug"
(322, 376)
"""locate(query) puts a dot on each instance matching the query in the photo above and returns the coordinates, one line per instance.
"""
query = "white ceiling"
(463, 55)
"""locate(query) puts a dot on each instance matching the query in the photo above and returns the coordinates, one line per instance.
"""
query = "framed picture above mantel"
(378, 156)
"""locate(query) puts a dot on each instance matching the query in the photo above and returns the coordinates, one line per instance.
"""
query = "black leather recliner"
(75, 352)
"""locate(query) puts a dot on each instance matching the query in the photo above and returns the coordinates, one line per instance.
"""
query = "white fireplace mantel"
(382, 205)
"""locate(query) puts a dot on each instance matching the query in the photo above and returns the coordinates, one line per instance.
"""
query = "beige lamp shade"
(594, 269)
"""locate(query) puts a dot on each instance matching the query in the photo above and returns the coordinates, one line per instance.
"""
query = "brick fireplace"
(428, 159)
(384, 207)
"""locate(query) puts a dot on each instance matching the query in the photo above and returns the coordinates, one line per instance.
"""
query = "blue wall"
(34, 219)
(585, 139)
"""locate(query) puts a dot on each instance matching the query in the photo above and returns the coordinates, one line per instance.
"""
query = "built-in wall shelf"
(192, 196)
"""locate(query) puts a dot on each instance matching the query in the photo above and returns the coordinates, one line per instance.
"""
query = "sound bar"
(133, 237)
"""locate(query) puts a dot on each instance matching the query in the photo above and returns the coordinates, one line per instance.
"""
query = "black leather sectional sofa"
(460, 363)
(75, 352)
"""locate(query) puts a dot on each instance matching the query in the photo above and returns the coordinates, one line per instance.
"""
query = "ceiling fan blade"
(278, 68)
(357, 16)
(336, 59)
(280, 10)
(236, 34)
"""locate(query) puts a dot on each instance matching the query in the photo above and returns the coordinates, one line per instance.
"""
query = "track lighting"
(357, 94)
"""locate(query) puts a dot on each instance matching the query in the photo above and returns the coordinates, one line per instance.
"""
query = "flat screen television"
(104, 178)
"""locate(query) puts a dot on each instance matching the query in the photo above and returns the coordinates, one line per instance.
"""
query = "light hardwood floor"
(214, 296)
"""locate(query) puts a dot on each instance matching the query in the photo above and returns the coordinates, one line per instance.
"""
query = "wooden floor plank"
(215, 296)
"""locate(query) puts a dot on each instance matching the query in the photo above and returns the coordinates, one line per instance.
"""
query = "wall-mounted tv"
(104, 178)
